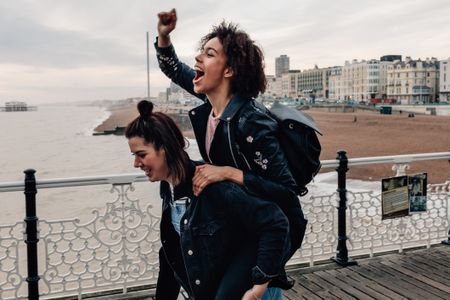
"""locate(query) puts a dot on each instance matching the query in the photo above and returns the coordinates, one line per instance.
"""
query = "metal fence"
(117, 249)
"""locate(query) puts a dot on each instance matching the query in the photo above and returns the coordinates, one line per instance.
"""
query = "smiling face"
(148, 159)
(213, 75)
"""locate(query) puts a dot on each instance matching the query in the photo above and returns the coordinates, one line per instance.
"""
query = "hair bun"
(145, 108)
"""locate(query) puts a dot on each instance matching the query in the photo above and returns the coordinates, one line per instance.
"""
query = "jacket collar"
(233, 107)
(182, 189)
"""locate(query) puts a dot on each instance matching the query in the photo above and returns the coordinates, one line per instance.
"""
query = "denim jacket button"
(190, 252)
(197, 282)
(185, 221)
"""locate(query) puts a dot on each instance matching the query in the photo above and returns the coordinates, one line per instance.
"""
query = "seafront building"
(273, 88)
(360, 80)
(281, 65)
(315, 82)
(289, 84)
(413, 81)
(444, 80)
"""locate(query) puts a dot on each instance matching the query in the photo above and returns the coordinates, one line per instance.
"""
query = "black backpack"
(297, 136)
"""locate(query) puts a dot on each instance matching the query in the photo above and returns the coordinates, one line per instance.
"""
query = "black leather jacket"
(245, 138)
(216, 224)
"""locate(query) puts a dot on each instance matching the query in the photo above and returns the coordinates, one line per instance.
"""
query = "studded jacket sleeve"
(177, 71)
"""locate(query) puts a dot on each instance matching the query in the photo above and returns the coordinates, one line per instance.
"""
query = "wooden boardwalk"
(415, 274)
(418, 274)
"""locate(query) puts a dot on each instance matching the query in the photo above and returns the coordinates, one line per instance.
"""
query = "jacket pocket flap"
(207, 228)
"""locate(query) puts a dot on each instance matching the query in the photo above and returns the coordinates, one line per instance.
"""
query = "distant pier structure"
(17, 106)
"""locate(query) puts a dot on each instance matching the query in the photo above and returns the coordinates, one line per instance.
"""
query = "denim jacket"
(213, 228)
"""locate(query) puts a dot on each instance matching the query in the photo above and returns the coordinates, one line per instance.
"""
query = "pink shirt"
(210, 130)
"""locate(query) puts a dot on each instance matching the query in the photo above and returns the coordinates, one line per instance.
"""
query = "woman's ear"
(228, 72)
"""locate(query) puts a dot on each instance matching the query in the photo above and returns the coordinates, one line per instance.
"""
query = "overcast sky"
(61, 50)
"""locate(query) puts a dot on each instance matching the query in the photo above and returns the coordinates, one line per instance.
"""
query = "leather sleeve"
(173, 68)
(269, 176)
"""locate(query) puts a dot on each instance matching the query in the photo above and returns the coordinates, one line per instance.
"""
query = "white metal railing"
(118, 247)
(139, 177)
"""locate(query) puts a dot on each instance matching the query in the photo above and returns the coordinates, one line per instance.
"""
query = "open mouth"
(198, 75)
(146, 171)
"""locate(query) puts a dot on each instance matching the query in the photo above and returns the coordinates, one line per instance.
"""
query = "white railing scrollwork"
(117, 247)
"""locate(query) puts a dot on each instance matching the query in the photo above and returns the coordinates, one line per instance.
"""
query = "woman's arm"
(168, 61)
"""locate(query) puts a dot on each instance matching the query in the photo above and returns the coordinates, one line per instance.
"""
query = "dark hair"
(243, 56)
(160, 130)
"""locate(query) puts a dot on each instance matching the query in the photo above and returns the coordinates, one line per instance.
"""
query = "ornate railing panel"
(118, 247)
(368, 234)
(12, 256)
(320, 236)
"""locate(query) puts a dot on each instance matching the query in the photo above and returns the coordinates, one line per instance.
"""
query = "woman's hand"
(256, 292)
(207, 174)
(166, 24)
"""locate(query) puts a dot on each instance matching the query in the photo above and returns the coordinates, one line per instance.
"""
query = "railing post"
(342, 251)
(31, 234)
(447, 241)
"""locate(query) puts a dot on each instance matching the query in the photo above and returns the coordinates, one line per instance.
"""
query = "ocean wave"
(103, 116)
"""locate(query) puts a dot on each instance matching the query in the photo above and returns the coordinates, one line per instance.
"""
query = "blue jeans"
(272, 294)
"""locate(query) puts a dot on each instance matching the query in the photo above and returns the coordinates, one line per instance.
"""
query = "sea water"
(57, 142)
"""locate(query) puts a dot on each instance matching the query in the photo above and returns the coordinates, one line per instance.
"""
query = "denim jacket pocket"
(210, 238)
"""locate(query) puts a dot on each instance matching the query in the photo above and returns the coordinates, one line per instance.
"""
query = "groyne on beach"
(360, 133)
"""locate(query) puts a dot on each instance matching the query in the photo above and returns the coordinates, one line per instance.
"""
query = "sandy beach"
(363, 134)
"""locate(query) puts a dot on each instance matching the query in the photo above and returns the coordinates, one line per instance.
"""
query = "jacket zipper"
(231, 147)
(207, 153)
(243, 156)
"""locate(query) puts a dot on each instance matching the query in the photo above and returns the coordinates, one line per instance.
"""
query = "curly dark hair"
(244, 57)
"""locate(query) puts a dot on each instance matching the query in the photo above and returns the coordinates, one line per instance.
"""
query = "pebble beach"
(362, 134)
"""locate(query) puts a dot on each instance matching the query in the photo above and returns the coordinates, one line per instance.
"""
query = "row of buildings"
(407, 81)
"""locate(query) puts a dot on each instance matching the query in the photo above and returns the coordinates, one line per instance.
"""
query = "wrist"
(259, 289)
(235, 175)
(163, 41)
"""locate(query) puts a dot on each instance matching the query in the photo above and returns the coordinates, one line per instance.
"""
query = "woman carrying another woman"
(202, 235)
(236, 135)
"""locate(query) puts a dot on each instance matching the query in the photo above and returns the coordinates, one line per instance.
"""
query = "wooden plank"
(429, 270)
(349, 272)
(350, 277)
(329, 289)
(411, 283)
(388, 281)
(359, 291)
(300, 292)
(305, 283)
(418, 276)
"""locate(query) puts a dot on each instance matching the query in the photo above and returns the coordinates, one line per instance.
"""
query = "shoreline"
(360, 134)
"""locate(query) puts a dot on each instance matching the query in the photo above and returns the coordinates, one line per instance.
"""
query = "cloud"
(97, 48)
(27, 42)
